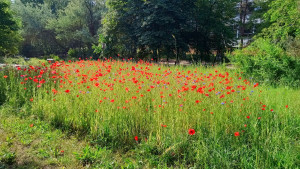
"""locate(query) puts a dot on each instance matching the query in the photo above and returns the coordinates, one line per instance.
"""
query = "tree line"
(138, 28)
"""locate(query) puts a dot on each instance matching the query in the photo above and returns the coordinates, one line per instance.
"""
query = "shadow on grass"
(23, 165)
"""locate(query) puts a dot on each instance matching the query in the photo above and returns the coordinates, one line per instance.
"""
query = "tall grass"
(149, 108)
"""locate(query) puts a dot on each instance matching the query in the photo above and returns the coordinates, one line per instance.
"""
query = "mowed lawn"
(144, 115)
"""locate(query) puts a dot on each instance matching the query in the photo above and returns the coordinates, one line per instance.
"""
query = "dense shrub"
(268, 63)
(14, 60)
(80, 53)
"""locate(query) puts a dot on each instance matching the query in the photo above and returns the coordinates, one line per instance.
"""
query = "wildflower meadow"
(158, 116)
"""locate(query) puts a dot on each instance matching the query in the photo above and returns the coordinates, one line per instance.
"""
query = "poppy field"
(160, 116)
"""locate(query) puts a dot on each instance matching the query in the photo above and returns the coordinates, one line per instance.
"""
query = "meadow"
(126, 114)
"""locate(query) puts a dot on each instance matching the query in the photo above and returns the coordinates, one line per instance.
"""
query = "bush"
(36, 62)
(268, 63)
(80, 53)
(14, 60)
(293, 47)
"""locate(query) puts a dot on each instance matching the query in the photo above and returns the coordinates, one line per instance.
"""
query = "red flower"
(67, 91)
(112, 100)
(136, 138)
(31, 99)
(31, 125)
(5, 76)
(248, 117)
(197, 101)
(236, 134)
(286, 106)
(191, 132)
(62, 151)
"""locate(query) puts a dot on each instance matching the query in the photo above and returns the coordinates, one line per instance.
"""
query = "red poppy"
(31, 125)
(67, 91)
(248, 117)
(286, 106)
(112, 100)
(136, 138)
(191, 132)
(236, 134)
(31, 99)
(5, 76)
(62, 151)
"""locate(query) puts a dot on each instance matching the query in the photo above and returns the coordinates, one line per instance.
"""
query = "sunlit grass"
(150, 108)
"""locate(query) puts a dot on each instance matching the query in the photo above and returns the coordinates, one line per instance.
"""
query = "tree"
(162, 27)
(9, 35)
(211, 27)
(284, 19)
(169, 27)
(257, 22)
(38, 40)
(77, 25)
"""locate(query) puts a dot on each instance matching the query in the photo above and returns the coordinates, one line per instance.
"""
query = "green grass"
(107, 104)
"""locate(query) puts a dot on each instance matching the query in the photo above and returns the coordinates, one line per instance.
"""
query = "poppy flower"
(5, 76)
(31, 125)
(248, 117)
(67, 91)
(31, 99)
(191, 132)
(286, 106)
(236, 134)
(136, 138)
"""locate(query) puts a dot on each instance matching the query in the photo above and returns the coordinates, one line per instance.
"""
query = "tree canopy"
(202, 29)
(9, 35)
(171, 27)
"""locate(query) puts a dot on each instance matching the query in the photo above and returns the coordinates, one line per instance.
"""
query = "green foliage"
(36, 62)
(80, 53)
(293, 47)
(8, 158)
(91, 155)
(99, 49)
(268, 63)
(55, 57)
(284, 19)
(53, 26)
(168, 28)
(14, 60)
(76, 26)
(38, 40)
(9, 35)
